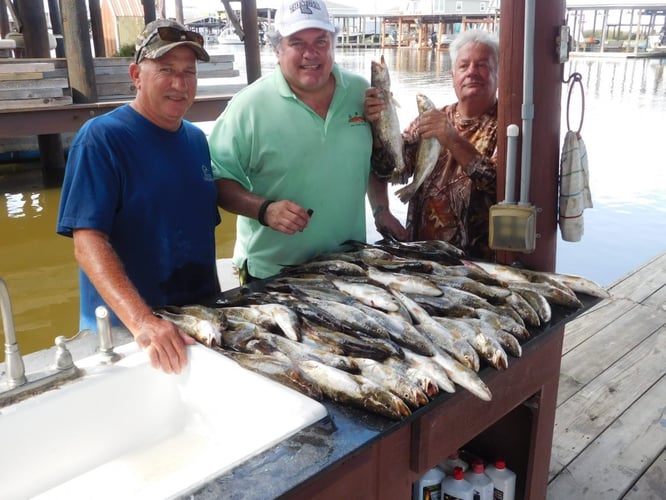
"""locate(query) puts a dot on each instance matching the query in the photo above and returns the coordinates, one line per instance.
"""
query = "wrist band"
(262, 212)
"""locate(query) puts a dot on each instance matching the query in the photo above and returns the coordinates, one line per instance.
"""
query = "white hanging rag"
(575, 193)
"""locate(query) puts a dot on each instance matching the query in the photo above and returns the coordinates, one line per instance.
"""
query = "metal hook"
(572, 80)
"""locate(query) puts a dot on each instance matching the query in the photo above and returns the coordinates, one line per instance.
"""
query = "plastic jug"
(429, 486)
(456, 487)
(482, 485)
(504, 480)
(453, 461)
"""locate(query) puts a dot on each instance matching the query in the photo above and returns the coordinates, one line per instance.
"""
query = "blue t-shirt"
(152, 192)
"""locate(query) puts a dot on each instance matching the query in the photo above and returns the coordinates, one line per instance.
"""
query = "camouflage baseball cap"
(162, 35)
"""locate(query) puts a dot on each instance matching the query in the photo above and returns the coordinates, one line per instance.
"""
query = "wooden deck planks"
(652, 485)
(644, 282)
(610, 426)
(610, 465)
(593, 320)
(590, 411)
(591, 358)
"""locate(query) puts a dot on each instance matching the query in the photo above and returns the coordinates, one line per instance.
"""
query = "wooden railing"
(35, 96)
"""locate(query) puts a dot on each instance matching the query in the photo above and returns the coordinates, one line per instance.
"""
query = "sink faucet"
(19, 386)
(13, 360)
(105, 336)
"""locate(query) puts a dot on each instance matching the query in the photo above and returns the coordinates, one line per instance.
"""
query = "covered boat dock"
(618, 27)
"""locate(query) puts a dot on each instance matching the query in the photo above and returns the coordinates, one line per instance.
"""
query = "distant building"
(122, 21)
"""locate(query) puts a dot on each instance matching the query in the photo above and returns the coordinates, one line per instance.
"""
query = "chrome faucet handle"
(105, 336)
(63, 358)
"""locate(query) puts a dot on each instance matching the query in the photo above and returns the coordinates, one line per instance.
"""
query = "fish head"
(424, 103)
(379, 75)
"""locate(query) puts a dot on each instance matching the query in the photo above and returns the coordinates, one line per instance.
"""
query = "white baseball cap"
(298, 15)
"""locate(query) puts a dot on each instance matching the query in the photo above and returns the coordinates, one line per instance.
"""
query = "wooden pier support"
(251, 41)
(35, 35)
(547, 94)
(80, 67)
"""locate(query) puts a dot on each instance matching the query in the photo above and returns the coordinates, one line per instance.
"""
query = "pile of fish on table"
(383, 326)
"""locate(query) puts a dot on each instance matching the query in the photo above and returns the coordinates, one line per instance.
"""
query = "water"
(625, 102)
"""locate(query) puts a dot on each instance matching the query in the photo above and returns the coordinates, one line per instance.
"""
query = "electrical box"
(513, 227)
(563, 44)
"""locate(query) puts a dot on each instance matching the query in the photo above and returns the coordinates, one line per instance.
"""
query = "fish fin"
(398, 178)
(406, 193)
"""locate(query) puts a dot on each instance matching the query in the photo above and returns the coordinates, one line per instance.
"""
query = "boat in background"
(229, 36)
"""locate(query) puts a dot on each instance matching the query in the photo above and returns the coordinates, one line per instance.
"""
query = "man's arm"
(282, 215)
(385, 221)
(163, 342)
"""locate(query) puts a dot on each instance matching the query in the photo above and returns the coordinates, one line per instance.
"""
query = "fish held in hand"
(386, 130)
(427, 154)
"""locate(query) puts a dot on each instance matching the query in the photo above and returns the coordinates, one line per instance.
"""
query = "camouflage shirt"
(453, 203)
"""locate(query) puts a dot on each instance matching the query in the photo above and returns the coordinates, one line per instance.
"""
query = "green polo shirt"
(279, 148)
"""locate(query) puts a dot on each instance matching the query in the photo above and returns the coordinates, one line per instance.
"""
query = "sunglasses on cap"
(171, 35)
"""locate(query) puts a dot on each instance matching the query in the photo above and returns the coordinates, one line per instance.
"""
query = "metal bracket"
(563, 44)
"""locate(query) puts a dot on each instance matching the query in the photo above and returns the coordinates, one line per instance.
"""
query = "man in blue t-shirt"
(139, 199)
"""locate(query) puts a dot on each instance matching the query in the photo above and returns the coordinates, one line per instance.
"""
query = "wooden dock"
(610, 426)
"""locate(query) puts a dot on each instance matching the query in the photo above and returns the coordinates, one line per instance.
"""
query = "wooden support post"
(251, 41)
(148, 10)
(35, 36)
(97, 28)
(233, 19)
(4, 20)
(80, 67)
(179, 11)
(4, 28)
(56, 27)
(547, 114)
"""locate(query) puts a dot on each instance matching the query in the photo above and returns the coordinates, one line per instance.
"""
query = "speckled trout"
(386, 130)
(427, 154)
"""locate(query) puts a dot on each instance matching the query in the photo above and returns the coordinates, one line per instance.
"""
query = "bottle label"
(498, 494)
(477, 495)
(432, 492)
(450, 497)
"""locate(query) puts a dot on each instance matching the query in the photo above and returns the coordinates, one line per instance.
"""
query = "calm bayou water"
(625, 106)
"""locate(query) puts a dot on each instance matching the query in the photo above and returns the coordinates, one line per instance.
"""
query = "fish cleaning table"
(353, 452)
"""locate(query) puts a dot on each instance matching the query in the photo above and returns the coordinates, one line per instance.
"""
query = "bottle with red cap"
(504, 480)
(429, 486)
(482, 485)
(453, 461)
(456, 487)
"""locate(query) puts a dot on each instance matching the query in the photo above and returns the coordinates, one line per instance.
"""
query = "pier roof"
(616, 4)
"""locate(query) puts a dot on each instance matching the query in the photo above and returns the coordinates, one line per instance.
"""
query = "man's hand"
(435, 123)
(164, 343)
(386, 222)
(287, 217)
(374, 104)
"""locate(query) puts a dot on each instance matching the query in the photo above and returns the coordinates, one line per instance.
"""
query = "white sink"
(130, 431)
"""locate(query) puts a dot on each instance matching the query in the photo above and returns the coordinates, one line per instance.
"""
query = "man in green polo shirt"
(291, 152)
